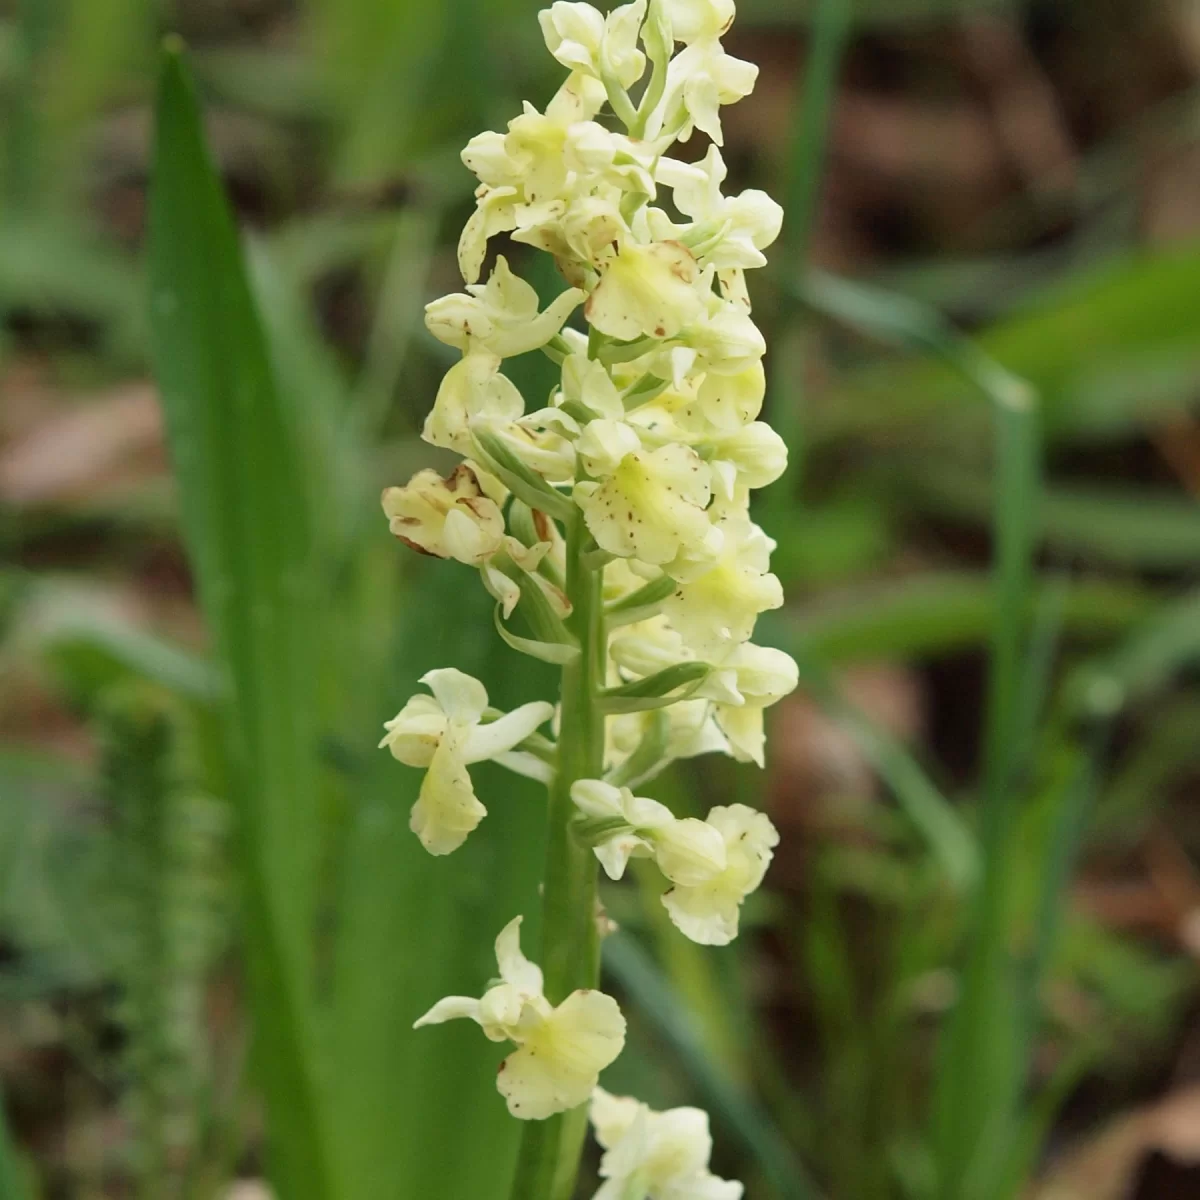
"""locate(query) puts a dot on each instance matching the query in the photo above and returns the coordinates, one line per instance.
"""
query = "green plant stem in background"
(246, 520)
(931, 814)
(830, 33)
(980, 1080)
(13, 1182)
(550, 1149)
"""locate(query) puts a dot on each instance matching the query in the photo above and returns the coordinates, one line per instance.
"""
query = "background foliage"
(972, 973)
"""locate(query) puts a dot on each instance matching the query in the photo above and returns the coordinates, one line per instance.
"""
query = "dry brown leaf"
(80, 449)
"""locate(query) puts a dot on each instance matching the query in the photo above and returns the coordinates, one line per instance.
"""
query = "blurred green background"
(972, 972)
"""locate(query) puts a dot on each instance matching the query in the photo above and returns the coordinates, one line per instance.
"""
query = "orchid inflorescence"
(614, 523)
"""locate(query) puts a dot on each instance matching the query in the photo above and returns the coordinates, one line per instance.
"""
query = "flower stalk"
(549, 1155)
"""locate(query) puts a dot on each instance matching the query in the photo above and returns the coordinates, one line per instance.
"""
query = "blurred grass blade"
(636, 972)
(1044, 640)
(810, 121)
(977, 1086)
(901, 321)
(92, 653)
(380, 60)
(830, 32)
(245, 516)
(306, 371)
(96, 45)
(1151, 529)
(931, 614)
(1092, 699)
(397, 316)
(1136, 309)
(1165, 643)
(949, 839)
(13, 1178)
(1073, 790)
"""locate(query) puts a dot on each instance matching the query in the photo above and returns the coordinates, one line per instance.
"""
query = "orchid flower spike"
(561, 1049)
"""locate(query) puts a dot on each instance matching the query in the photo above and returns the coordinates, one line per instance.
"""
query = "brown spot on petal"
(420, 549)
(462, 478)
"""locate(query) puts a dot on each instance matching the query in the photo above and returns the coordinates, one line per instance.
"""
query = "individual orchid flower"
(686, 850)
(449, 518)
(603, 445)
(716, 608)
(707, 912)
(725, 339)
(700, 79)
(605, 47)
(473, 389)
(655, 1155)
(758, 676)
(523, 172)
(444, 733)
(753, 457)
(652, 506)
(583, 236)
(561, 1049)
(500, 316)
(586, 382)
(701, 408)
(727, 231)
(732, 399)
(542, 440)
(607, 158)
(532, 139)
(647, 291)
(739, 456)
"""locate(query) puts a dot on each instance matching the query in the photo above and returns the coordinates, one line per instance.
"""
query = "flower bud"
(501, 317)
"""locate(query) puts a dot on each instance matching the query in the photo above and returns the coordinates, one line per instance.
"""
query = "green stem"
(549, 1154)
(814, 103)
(979, 1087)
(13, 1180)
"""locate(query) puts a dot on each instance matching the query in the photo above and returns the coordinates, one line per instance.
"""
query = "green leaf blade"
(247, 531)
